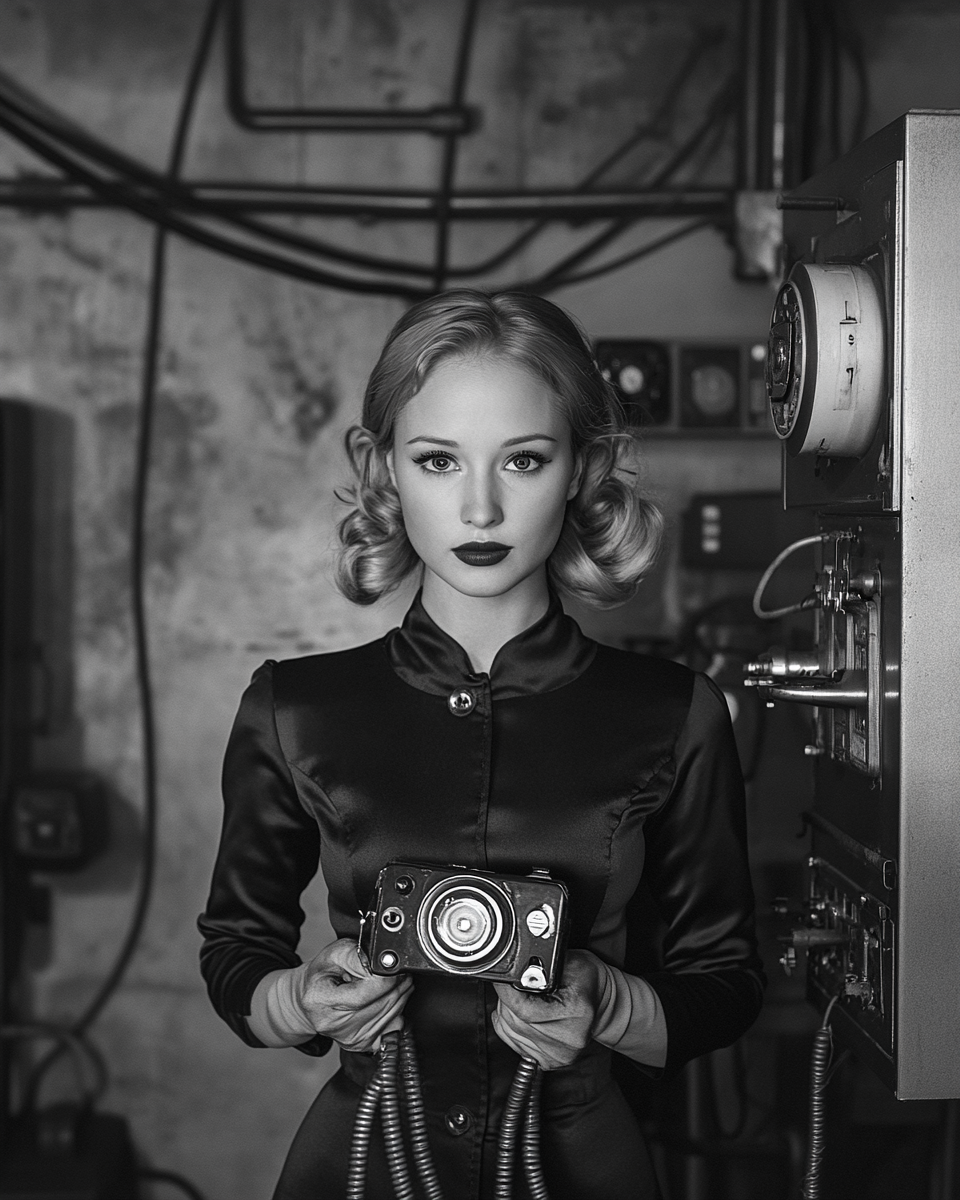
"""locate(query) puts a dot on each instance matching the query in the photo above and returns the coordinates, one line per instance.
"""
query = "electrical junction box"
(863, 377)
(691, 389)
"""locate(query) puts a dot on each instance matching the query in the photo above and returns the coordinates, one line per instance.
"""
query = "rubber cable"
(137, 571)
(819, 1065)
(416, 1120)
(770, 614)
(532, 1166)
(451, 145)
(513, 1115)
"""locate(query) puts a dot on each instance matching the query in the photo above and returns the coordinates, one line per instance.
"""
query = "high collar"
(549, 654)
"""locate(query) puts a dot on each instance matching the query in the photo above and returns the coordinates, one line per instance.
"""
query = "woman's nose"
(481, 505)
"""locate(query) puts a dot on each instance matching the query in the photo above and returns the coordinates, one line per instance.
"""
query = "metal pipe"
(440, 120)
(850, 691)
(400, 205)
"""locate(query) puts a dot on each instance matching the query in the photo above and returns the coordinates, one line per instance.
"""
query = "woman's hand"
(553, 1030)
(344, 1001)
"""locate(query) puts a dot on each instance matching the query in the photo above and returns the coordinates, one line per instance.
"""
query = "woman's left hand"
(553, 1030)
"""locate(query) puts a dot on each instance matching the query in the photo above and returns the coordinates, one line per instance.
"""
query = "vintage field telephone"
(864, 387)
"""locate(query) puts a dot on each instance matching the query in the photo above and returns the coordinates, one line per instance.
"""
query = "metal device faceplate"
(897, 836)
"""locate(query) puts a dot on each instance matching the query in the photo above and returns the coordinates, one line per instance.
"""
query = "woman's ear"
(577, 477)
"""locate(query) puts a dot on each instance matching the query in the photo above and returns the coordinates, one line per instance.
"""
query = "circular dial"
(825, 360)
(466, 925)
(784, 366)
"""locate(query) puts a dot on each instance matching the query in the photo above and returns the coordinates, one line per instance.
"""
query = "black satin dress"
(616, 771)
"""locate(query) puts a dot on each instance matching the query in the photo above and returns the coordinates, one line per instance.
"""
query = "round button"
(458, 1120)
(388, 960)
(461, 703)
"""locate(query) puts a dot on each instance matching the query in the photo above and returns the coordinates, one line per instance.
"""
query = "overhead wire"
(647, 129)
(719, 108)
(61, 142)
(451, 144)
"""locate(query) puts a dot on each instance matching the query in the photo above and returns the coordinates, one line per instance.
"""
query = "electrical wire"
(89, 1069)
(62, 143)
(607, 268)
(771, 614)
(450, 146)
(819, 1066)
(648, 129)
(718, 108)
(138, 567)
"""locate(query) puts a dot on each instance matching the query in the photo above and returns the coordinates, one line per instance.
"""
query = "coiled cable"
(416, 1121)
(819, 1066)
(392, 1127)
(514, 1113)
(362, 1132)
(398, 1062)
(532, 1166)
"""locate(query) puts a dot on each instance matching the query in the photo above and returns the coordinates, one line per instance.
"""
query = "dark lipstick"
(482, 554)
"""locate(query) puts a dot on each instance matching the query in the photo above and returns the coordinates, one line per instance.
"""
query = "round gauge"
(713, 390)
(825, 360)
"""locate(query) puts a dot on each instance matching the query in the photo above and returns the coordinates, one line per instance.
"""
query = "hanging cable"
(647, 129)
(138, 568)
(718, 108)
(819, 1065)
(416, 1118)
(156, 198)
(451, 144)
(675, 235)
(771, 614)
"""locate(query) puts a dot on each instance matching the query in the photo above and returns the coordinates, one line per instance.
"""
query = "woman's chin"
(486, 582)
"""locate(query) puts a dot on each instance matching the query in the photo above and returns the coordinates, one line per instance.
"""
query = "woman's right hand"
(348, 1004)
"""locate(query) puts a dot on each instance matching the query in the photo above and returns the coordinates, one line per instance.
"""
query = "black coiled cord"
(516, 1111)
(362, 1131)
(531, 1143)
(392, 1127)
(398, 1062)
(422, 1160)
(819, 1065)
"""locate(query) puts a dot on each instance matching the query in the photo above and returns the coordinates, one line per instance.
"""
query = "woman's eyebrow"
(530, 437)
(434, 441)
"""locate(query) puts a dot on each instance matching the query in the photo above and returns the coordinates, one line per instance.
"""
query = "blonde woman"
(489, 732)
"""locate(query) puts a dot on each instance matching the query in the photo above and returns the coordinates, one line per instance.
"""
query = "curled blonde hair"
(610, 534)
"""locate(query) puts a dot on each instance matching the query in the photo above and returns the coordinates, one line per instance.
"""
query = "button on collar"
(461, 702)
(458, 1120)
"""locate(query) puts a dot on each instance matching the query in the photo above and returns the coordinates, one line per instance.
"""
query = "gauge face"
(825, 360)
(784, 367)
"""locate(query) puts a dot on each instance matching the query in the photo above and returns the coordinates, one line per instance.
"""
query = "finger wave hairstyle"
(610, 533)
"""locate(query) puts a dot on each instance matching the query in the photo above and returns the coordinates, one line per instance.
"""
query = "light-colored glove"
(594, 1002)
(333, 994)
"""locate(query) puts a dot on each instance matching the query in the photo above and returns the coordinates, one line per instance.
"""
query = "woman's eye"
(526, 464)
(437, 464)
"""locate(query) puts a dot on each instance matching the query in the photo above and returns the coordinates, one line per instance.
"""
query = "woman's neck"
(482, 624)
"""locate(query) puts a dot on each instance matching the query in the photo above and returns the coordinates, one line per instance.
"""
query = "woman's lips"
(482, 554)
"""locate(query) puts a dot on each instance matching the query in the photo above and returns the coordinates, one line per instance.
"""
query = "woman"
(487, 731)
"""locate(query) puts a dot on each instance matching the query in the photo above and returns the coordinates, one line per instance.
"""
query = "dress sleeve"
(269, 852)
(710, 978)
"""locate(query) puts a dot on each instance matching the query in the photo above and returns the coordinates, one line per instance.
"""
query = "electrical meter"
(863, 380)
(825, 360)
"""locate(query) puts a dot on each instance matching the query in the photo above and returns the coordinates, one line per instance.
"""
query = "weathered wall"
(259, 379)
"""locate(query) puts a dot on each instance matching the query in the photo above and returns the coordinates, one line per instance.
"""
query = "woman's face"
(484, 467)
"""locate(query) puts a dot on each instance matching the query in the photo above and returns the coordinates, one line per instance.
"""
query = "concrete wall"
(259, 378)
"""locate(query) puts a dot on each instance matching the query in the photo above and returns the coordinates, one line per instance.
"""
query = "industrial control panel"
(863, 381)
